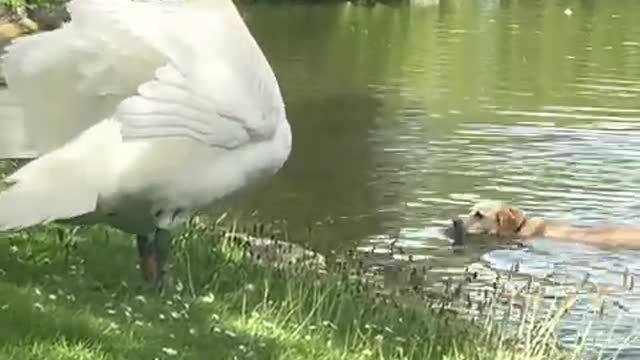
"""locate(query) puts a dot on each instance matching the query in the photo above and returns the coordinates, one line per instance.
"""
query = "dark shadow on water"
(324, 185)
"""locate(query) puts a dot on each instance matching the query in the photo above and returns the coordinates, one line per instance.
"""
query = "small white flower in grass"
(112, 326)
(141, 299)
(162, 317)
(230, 333)
(242, 348)
(13, 249)
(38, 306)
(37, 291)
(192, 331)
(71, 298)
(207, 299)
(249, 287)
(138, 323)
(169, 351)
(175, 315)
(307, 337)
(268, 325)
(4, 307)
(215, 317)
(52, 297)
(329, 324)
(217, 330)
(172, 336)
(111, 312)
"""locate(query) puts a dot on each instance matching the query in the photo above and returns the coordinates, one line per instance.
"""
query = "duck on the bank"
(141, 124)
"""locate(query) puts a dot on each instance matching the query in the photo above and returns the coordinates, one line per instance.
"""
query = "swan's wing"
(68, 79)
(217, 88)
(203, 76)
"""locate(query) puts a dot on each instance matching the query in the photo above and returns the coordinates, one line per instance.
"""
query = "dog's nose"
(458, 231)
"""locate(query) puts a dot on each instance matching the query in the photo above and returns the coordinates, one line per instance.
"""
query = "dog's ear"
(518, 215)
(508, 221)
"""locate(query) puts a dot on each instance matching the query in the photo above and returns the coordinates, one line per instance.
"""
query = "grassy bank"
(76, 295)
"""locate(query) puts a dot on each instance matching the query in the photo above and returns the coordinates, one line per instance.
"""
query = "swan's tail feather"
(38, 194)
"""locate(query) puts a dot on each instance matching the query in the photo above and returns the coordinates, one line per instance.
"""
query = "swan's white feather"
(141, 105)
(69, 79)
(237, 87)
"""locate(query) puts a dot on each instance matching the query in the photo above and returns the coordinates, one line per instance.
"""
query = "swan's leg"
(153, 250)
(162, 248)
(148, 262)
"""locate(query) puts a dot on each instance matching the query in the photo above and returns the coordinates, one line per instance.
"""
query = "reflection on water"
(403, 117)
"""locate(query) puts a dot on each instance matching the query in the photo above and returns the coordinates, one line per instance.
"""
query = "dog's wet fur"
(503, 222)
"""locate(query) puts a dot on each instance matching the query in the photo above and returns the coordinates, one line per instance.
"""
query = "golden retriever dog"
(512, 223)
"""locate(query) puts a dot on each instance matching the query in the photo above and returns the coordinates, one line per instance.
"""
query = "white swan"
(144, 112)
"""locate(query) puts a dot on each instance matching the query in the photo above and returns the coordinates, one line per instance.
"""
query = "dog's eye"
(478, 215)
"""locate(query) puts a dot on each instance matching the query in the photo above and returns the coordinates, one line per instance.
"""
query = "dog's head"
(491, 219)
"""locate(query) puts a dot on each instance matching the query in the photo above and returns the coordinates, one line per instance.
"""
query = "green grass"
(76, 294)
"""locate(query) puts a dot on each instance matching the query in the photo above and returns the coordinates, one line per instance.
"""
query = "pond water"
(405, 116)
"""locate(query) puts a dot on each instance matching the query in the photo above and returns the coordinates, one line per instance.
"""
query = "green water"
(404, 117)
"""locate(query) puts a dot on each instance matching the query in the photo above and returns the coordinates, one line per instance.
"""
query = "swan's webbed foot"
(154, 249)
